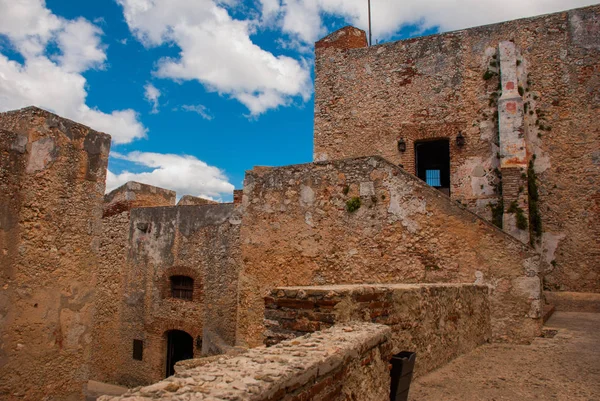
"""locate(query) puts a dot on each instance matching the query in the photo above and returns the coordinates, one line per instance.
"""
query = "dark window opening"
(182, 287)
(138, 350)
(180, 346)
(432, 160)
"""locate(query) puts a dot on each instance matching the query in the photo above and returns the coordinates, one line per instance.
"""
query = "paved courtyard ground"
(563, 367)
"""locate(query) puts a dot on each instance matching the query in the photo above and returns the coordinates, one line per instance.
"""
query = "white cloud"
(303, 18)
(182, 173)
(81, 46)
(199, 109)
(151, 93)
(56, 84)
(217, 51)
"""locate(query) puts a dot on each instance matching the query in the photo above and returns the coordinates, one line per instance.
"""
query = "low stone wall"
(341, 363)
(438, 321)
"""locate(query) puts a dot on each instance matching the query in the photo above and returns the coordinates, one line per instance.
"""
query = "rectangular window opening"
(138, 350)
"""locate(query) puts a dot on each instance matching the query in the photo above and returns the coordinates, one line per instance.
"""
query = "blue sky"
(196, 92)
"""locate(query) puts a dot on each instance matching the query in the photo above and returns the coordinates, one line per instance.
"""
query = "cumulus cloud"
(217, 51)
(54, 82)
(81, 46)
(203, 111)
(182, 173)
(303, 18)
(151, 93)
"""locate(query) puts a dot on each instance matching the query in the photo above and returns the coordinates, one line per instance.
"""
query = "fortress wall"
(52, 174)
(368, 98)
(200, 242)
(108, 349)
(297, 231)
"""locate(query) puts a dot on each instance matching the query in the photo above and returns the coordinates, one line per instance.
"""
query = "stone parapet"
(438, 321)
(343, 362)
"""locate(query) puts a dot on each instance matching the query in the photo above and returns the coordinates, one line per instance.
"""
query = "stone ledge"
(271, 373)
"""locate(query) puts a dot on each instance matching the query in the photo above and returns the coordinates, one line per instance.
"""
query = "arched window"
(182, 287)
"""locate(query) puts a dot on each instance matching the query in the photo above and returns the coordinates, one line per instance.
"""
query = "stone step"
(573, 301)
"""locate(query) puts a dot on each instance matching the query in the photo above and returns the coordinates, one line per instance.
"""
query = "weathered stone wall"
(341, 363)
(437, 321)
(135, 194)
(194, 200)
(366, 99)
(196, 241)
(297, 231)
(52, 174)
(107, 346)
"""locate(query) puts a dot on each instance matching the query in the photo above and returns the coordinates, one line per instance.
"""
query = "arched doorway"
(180, 346)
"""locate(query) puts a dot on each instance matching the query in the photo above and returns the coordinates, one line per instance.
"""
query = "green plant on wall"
(535, 219)
(353, 204)
(497, 213)
(519, 214)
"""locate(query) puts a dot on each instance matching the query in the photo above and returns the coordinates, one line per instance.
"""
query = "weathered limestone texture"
(194, 200)
(200, 242)
(368, 98)
(437, 321)
(52, 174)
(341, 363)
(106, 344)
(298, 230)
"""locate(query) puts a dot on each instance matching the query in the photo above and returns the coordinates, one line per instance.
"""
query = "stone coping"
(264, 373)
(374, 287)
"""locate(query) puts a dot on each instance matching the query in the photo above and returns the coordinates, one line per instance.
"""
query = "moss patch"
(353, 204)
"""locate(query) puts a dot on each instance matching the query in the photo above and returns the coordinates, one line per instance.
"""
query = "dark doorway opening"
(432, 160)
(180, 346)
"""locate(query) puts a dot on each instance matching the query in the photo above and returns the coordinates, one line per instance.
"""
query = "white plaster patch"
(401, 209)
(42, 154)
(549, 244)
(367, 188)
(307, 196)
(529, 287)
(320, 157)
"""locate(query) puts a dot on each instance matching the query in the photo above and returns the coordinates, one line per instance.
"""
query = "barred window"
(182, 287)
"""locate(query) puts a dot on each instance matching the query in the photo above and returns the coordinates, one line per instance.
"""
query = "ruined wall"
(196, 241)
(52, 174)
(437, 321)
(366, 99)
(135, 194)
(106, 341)
(341, 363)
(302, 227)
(195, 200)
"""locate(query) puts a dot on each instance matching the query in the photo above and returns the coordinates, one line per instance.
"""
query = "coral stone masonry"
(455, 182)
(52, 174)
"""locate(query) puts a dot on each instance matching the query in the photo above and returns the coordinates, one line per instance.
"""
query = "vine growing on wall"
(535, 219)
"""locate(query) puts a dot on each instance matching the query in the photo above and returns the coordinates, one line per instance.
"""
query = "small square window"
(138, 349)
(432, 177)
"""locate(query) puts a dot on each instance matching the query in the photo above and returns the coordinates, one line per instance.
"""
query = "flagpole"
(370, 40)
